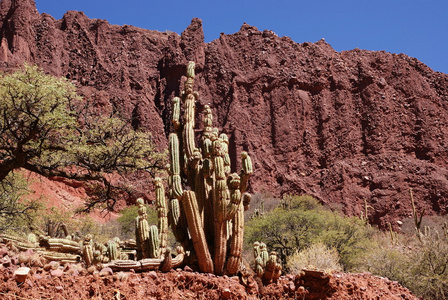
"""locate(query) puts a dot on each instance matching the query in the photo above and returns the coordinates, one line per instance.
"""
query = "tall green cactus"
(212, 199)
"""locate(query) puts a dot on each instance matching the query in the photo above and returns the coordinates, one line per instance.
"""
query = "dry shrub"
(316, 256)
(418, 264)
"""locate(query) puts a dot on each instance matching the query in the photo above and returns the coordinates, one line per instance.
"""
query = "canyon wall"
(345, 127)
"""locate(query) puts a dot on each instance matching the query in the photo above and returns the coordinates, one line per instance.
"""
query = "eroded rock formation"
(342, 126)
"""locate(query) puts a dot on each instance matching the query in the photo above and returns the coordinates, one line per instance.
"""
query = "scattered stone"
(3, 251)
(188, 269)
(14, 260)
(106, 272)
(6, 262)
(153, 275)
(30, 283)
(73, 272)
(226, 293)
(21, 274)
(57, 273)
(52, 265)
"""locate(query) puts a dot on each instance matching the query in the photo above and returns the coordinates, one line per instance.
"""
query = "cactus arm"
(153, 242)
(161, 214)
(263, 254)
(176, 184)
(176, 113)
(220, 200)
(246, 170)
(235, 195)
(167, 262)
(87, 254)
(188, 133)
(246, 200)
(225, 150)
(142, 229)
(150, 264)
(236, 245)
(112, 250)
(197, 232)
(61, 257)
(179, 259)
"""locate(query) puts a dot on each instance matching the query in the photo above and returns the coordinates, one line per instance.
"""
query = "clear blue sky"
(418, 28)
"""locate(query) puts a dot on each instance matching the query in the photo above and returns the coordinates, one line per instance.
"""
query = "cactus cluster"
(266, 265)
(207, 201)
(205, 208)
(152, 240)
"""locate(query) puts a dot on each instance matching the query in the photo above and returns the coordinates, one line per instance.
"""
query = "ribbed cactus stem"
(246, 170)
(197, 232)
(112, 250)
(87, 253)
(256, 248)
(225, 149)
(246, 200)
(263, 254)
(273, 268)
(154, 242)
(220, 208)
(190, 69)
(174, 154)
(167, 262)
(176, 113)
(188, 133)
(162, 214)
(235, 195)
(236, 245)
(259, 267)
(142, 228)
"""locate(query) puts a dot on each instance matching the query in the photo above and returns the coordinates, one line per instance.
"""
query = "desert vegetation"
(46, 128)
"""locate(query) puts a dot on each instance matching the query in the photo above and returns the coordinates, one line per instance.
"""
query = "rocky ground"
(51, 280)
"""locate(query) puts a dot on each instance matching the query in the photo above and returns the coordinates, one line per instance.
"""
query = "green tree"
(46, 128)
(302, 222)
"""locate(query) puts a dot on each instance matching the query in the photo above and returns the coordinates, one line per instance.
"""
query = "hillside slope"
(342, 126)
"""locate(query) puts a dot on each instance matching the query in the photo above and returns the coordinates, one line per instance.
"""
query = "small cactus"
(87, 250)
(266, 265)
(113, 250)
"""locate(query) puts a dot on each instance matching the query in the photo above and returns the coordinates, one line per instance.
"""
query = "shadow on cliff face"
(342, 126)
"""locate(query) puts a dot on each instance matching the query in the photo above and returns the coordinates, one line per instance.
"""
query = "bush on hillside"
(421, 266)
(302, 222)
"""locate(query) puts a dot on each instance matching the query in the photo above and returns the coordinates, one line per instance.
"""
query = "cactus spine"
(215, 201)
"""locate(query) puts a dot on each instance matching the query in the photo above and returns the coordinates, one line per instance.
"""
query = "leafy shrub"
(306, 222)
(317, 255)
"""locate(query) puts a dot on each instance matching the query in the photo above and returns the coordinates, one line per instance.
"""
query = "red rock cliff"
(342, 126)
